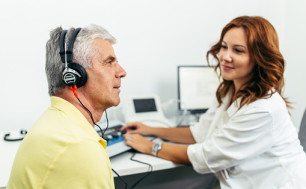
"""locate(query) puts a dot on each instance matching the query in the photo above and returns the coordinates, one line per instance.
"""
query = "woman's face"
(234, 57)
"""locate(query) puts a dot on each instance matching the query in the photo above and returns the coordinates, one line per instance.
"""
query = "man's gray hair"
(83, 52)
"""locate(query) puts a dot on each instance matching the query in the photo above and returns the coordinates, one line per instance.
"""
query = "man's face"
(104, 78)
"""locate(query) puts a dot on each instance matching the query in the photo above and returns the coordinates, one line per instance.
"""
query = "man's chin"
(116, 102)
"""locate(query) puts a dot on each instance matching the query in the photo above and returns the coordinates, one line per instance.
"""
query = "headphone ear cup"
(80, 81)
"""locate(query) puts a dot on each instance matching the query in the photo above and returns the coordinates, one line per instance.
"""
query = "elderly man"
(62, 149)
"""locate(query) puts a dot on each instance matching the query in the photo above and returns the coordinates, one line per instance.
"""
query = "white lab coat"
(254, 147)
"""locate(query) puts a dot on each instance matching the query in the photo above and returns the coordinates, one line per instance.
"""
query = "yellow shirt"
(61, 150)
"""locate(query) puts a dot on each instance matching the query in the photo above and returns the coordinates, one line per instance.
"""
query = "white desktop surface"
(120, 163)
(124, 166)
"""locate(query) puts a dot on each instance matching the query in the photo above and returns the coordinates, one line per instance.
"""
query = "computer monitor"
(197, 87)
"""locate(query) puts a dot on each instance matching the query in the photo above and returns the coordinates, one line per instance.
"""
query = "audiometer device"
(114, 137)
(146, 109)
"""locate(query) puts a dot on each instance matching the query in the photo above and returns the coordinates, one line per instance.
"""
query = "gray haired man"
(62, 149)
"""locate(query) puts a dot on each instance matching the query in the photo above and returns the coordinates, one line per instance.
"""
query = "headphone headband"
(68, 53)
(73, 73)
(62, 45)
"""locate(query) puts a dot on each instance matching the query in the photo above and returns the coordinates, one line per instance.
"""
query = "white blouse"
(255, 146)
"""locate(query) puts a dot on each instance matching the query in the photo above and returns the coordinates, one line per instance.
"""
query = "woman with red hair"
(246, 138)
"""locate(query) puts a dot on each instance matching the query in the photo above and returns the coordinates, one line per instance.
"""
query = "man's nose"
(121, 72)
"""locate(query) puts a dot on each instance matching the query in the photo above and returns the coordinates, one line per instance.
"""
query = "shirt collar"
(230, 108)
(71, 111)
(234, 107)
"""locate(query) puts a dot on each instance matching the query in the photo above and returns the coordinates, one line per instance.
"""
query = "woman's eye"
(223, 47)
(238, 50)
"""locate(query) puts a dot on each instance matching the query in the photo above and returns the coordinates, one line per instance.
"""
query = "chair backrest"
(302, 132)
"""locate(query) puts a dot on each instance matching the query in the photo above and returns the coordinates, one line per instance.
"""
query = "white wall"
(294, 51)
(154, 37)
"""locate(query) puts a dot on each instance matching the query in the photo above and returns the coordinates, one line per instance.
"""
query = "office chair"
(302, 132)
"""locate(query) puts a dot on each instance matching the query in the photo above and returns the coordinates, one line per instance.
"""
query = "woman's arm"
(175, 153)
(178, 135)
(248, 133)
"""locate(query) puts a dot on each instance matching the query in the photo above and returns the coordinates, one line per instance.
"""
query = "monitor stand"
(198, 113)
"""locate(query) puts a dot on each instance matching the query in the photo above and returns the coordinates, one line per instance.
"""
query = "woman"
(246, 138)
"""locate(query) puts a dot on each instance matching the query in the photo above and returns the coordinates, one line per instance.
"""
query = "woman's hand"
(139, 143)
(136, 128)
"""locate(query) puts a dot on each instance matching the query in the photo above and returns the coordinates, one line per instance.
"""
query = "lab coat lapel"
(221, 112)
(234, 107)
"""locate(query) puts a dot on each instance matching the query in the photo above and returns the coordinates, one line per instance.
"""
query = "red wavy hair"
(269, 64)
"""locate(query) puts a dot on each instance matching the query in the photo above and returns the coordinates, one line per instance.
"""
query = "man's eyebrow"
(110, 57)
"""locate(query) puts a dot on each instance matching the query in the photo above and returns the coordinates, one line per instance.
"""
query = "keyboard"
(115, 141)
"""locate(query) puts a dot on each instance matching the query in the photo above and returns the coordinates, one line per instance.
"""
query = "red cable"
(73, 90)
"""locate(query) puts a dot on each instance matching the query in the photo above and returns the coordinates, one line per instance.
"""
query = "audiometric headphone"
(23, 132)
(73, 74)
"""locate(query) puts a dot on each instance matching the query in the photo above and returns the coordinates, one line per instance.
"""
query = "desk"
(124, 166)
(165, 172)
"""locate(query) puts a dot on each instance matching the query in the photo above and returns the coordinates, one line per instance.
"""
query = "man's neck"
(68, 95)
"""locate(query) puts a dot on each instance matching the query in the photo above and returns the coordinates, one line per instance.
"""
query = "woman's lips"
(227, 68)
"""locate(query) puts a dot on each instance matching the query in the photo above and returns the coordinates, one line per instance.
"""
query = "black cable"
(120, 178)
(106, 121)
(103, 136)
(93, 119)
(11, 140)
(24, 132)
(143, 176)
(131, 158)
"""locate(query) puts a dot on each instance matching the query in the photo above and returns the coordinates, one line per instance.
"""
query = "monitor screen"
(144, 105)
(197, 87)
